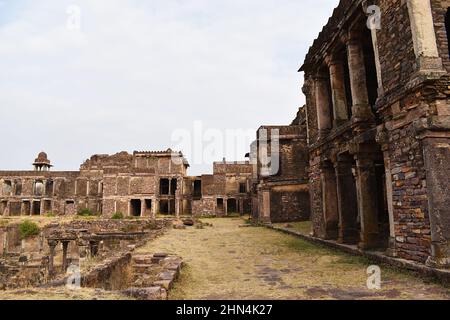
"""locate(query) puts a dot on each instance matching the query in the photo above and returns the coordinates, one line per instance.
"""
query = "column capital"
(334, 59)
(353, 36)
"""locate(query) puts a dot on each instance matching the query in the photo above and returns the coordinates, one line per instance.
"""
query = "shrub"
(117, 216)
(50, 215)
(28, 229)
(86, 212)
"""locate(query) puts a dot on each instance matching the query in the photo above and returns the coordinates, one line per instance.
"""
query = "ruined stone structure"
(142, 184)
(280, 184)
(225, 192)
(378, 118)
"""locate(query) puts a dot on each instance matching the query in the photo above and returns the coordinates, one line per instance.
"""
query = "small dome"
(42, 159)
(42, 155)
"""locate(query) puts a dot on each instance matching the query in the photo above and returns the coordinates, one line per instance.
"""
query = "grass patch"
(28, 229)
(305, 247)
(49, 215)
(87, 213)
(117, 216)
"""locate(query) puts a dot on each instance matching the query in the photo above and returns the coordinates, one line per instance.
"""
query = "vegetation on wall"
(28, 229)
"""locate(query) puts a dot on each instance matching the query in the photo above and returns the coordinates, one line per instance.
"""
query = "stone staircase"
(153, 275)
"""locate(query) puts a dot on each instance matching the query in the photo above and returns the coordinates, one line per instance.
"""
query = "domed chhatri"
(42, 163)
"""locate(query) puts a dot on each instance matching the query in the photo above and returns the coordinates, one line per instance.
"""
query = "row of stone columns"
(349, 200)
(361, 110)
(93, 251)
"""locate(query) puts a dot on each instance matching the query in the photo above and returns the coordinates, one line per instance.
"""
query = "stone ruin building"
(142, 184)
(378, 118)
(367, 159)
(280, 187)
(224, 192)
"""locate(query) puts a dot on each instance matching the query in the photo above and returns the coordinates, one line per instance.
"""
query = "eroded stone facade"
(142, 184)
(378, 119)
(280, 182)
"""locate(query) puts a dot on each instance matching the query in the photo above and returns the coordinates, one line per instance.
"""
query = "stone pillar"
(177, 207)
(52, 245)
(347, 201)
(155, 207)
(65, 244)
(361, 111)
(322, 96)
(266, 206)
(339, 97)
(424, 36)
(368, 206)
(143, 208)
(329, 201)
(437, 165)
(225, 206)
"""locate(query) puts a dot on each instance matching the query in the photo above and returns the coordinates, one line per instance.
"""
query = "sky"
(86, 77)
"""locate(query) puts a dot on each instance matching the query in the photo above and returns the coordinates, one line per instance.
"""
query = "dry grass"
(61, 294)
(304, 227)
(229, 262)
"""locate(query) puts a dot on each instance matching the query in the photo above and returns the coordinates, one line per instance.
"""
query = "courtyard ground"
(228, 261)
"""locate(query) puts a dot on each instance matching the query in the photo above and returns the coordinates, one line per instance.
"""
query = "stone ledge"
(442, 275)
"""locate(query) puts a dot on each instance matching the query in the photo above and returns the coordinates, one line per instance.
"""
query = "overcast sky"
(139, 71)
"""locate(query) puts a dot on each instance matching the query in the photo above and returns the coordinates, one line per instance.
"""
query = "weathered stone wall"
(289, 203)
(204, 207)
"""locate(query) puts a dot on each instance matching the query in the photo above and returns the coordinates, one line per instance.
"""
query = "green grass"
(117, 216)
(87, 213)
(28, 229)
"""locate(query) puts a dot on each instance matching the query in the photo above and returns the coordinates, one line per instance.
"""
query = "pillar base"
(391, 251)
(430, 65)
(369, 242)
(349, 236)
(439, 256)
(331, 233)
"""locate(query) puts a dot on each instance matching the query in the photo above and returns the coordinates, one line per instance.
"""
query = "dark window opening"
(47, 206)
(49, 188)
(330, 101)
(148, 207)
(173, 186)
(197, 189)
(36, 209)
(167, 207)
(164, 186)
(135, 208)
(220, 204)
(242, 187)
(447, 29)
(348, 88)
(18, 190)
(232, 206)
(164, 207)
(371, 72)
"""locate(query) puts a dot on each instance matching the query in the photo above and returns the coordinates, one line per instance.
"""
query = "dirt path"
(229, 262)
